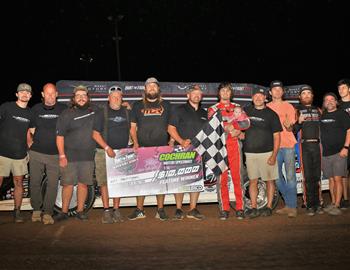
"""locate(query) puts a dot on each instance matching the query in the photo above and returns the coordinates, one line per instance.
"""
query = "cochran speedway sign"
(154, 170)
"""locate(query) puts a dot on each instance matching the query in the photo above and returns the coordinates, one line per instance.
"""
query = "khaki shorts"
(77, 172)
(18, 167)
(100, 169)
(257, 166)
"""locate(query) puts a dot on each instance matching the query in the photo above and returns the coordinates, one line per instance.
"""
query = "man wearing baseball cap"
(185, 122)
(309, 124)
(287, 184)
(149, 127)
(261, 145)
(15, 120)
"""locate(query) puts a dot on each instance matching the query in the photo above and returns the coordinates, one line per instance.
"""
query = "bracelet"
(106, 148)
(62, 156)
(346, 147)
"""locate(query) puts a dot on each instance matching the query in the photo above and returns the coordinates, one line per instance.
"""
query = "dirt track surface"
(277, 242)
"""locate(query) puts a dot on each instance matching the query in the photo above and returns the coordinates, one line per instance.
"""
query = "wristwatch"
(346, 147)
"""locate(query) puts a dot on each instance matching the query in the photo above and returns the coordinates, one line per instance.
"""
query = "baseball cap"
(114, 88)
(304, 88)
(151, 80)
(80, 88)
(276, 84)
(193, 87)
(258, 91)
(24, 87)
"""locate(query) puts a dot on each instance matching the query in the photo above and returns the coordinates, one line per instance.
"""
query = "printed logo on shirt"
(153, 111)
(84, 116)
(21, 119)
(326, 121)
(48, 116)
(257, 119)
(203, 118)
(117, 119)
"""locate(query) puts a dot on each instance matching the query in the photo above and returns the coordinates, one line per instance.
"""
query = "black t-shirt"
(76, 126)
(334, 126)
(14, 124)
(263, 124)
(152, 121)
(345, 105)
(117, 126)
(187, 120)
(310, 128)
(45, 119)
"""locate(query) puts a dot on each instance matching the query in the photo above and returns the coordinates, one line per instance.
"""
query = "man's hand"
(110, 152)
(63, 161)
(186, 143)
(344, 152)
(287, 124)
(301, 118)
(126, 104)
(271, 160)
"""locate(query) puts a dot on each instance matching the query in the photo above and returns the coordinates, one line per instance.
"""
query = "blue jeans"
(287, 182)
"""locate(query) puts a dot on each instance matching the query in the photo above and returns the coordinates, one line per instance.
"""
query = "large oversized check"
(154, 170)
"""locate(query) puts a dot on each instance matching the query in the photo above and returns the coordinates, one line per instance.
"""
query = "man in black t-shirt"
(344, 104)
(309, 126)
(44, 155)
(149, 125)
(335, 138)
(15, 120)
(113, 127)
(185, 122)
(76, 150)
(261, 145)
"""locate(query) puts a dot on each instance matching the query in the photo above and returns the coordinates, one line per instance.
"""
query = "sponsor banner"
(154, 170)
(134, 89)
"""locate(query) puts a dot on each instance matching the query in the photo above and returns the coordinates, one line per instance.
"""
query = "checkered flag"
(210, 143)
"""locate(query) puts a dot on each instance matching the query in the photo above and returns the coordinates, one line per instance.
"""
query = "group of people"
(70, 144)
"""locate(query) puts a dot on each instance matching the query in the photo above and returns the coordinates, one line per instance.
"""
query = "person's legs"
(67, 192)
(222, 192)
(281, 181)
(82, 192)
(338, 187)
(37, 169)
(193, 200)
(18, 193)
(235, 161)
(331, 189)
(253, 192)
(291, 182)
(52, 172)
(104, 196)
(270, 186)
(140, 200)
(179, 199)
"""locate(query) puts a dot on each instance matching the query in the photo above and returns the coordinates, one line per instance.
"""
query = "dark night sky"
(209, 41)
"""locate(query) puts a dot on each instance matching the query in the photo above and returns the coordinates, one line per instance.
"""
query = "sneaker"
(240, 214)
(107, 217)
(344, 204)
(17, 216)
(253, 213)
(267, 212)
(61, 217)
(310, 212)
(293, 212)
(335, 211)
(179, 214)
(117, 216)
(319, 210)
(137, 214)
(195, 214)
(161, 214)
(82, 216)
(328, 208)
(47, 219)
(283, 211)
(36, 216)
(224, 215)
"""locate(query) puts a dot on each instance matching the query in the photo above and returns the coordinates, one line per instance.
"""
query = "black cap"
(304, 88)
(330, 94)
(258, 91)
(276, 84)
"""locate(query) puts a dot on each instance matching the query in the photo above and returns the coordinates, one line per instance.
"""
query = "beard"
(306, 101)
(152, 95)
(82, 107)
